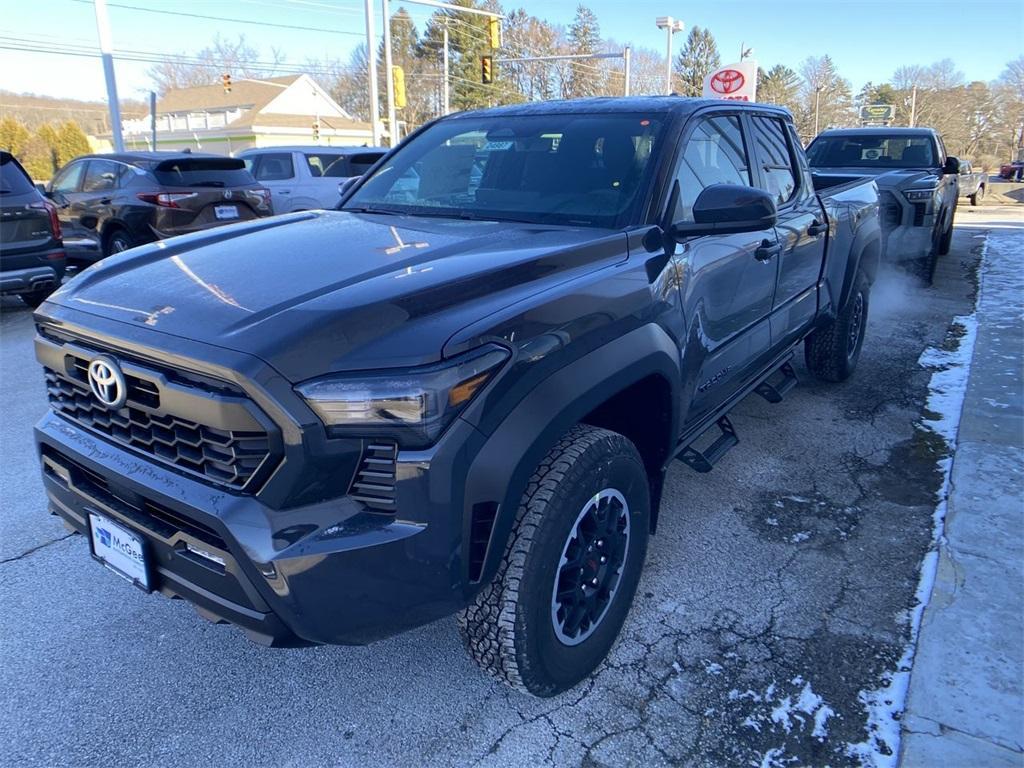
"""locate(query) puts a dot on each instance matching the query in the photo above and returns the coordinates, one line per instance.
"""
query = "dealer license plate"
(225, 211)
(119, 549)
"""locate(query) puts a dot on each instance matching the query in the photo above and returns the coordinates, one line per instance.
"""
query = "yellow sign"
(398, 78)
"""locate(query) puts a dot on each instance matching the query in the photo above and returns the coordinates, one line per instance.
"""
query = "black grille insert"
(374, 481)
(224, 456)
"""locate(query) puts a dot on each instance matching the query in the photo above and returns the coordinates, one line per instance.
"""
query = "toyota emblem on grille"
(107, 382)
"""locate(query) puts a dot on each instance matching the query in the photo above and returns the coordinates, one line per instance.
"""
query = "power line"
(221, 18)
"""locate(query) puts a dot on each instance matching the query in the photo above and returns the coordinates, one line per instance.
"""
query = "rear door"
(65, 190)
(728, 280)
(801, 228)
(276, 172)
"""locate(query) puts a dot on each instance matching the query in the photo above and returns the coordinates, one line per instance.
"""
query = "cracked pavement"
(777, 589)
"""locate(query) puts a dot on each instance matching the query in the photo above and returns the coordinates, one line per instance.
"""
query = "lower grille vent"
(374, 482)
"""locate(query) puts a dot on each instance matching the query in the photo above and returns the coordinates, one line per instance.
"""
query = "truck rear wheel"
(571, 568)
(831, 353)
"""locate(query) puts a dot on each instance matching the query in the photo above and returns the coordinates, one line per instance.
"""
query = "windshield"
(872, 151)
(579, 170)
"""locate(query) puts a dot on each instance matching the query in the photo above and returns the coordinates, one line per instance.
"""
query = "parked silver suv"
(308, 177)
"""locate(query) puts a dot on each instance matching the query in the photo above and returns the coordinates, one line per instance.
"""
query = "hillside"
(35, 110)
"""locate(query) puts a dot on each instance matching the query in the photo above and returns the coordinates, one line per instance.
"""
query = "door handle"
(766, 250)
(817, 228)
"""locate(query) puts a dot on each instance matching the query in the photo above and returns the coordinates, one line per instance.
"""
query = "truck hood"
(892, 178)
(314, 293)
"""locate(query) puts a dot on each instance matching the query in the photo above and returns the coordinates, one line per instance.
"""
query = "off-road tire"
(509, 629)
(828, 351)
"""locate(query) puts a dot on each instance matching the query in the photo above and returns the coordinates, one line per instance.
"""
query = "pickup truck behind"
(972, 183)
(917, 182)
(465, 396)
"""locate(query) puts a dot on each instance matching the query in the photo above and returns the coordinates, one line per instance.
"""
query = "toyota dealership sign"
(737, 82)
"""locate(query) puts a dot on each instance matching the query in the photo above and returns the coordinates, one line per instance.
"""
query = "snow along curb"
(946, 392)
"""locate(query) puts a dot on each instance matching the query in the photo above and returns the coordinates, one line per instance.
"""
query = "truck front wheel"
(831, 352)
(571, 567)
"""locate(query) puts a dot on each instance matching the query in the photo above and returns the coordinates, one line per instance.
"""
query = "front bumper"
(907, 227)
(330, 572)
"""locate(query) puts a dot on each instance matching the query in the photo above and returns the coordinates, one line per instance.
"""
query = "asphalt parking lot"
(775, 598)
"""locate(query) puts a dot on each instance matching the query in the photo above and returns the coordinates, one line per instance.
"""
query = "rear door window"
(203, 172)
(273, 167)
(715, 153)
(361, 163)
(101, 176)
(13, 180)
(326, 164)
(775, 158)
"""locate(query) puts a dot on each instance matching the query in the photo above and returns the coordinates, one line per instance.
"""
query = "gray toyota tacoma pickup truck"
(459, 393)
(917, 182)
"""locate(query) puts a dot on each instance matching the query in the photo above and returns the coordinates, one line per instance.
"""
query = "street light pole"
(670, 26)
(389, 78)
(447, 99)
(371, 66)
(106, 53)
(626, 53)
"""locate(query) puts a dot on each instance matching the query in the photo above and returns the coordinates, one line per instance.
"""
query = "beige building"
(254, 113)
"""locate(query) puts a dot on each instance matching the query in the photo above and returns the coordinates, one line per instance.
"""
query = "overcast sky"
(868, 39)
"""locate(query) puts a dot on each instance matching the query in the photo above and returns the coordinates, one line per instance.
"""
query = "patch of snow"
(677, 668)
(788, 711)
(796, 538)
(775, 758)
(946, 391)
(798, 499)
(772, 520)
(712, 668)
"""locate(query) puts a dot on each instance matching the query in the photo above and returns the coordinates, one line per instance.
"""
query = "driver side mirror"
(725, 209)
(952, 165)
(346, 184)
(42, 190)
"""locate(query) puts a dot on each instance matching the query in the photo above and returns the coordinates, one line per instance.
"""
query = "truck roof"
(610, 105)
(878, 131)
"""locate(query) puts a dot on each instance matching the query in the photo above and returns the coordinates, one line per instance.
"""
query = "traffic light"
(316, 130)
(487, 69)
(225, 80)
(398, 79)
(494, 31)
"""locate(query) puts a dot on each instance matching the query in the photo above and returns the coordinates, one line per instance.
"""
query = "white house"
(254, 113)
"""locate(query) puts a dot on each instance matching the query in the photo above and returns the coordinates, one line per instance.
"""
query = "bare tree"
(824, 98)
(234, 57)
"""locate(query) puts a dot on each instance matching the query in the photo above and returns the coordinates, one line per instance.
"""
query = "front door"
(728, 280)
(65, 191)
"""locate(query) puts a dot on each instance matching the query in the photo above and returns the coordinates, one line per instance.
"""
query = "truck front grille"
(196, 424)
(225, 456)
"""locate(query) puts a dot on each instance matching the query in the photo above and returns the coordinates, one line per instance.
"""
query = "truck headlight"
(919, 195)
(412, 405)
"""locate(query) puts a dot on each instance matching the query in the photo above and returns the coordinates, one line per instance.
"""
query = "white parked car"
(303, 178)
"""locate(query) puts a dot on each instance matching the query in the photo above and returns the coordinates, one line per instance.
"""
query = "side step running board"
(703, 461)
(774, 393)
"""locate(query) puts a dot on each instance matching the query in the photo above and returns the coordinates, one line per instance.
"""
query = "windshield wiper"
(367, 209)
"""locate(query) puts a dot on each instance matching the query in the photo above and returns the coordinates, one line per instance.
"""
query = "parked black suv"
(109, 203)
(462, 391)
(31, 254)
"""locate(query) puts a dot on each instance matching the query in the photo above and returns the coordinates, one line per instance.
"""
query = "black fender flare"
(866, 252)
(499, 472)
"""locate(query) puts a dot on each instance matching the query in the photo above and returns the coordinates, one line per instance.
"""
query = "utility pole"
(446, 106)
(106, 53)
(913, 106)
(625, 68)
(389, 80)
(371, 66)
(670, 26)
(152, 117)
